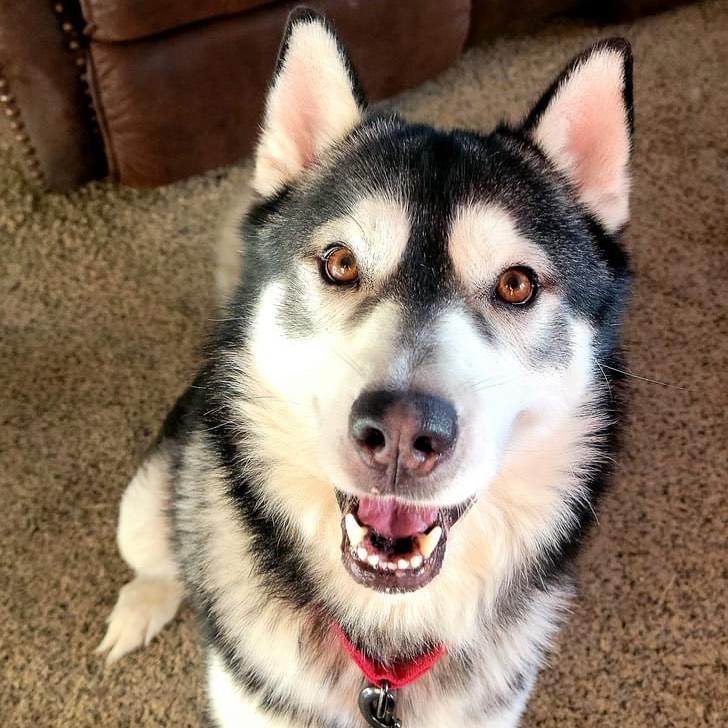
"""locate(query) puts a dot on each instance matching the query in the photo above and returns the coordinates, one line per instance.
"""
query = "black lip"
(390, 582)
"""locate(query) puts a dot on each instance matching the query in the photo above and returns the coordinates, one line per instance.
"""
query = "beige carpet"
(105, 294)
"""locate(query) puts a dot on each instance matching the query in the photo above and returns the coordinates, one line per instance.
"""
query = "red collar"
(397, 675)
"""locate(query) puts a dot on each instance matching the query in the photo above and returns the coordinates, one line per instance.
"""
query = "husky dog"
(397, 440)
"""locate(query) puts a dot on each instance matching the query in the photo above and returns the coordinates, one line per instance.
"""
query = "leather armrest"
(42, 61)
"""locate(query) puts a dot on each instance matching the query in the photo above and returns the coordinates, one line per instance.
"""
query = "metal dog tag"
(377, 706)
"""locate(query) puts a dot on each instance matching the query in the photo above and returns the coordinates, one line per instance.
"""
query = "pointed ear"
(314, 100)
(584, 126)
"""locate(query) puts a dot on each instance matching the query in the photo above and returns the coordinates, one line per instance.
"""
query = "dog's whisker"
(359, 370)
(492, 385)
(606, 379)
(274, 398)
(642, 378)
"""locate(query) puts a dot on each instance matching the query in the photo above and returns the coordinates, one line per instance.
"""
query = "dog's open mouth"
(393, 546)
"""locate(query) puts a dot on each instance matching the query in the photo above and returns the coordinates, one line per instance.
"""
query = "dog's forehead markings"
(484, 240)
(376, 228)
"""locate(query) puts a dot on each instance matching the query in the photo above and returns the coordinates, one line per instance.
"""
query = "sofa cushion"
(120, 20)
(491, 17)
(188, 101)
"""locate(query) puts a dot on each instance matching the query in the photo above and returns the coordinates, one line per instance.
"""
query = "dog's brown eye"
(339, 265)
(516, 286)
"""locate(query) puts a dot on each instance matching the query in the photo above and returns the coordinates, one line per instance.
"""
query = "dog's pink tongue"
(394, 520)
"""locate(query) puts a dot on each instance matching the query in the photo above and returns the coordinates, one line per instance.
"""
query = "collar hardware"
(377, 704)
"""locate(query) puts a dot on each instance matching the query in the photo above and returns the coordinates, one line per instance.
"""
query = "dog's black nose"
(410, 430)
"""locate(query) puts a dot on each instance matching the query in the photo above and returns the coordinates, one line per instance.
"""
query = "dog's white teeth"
(428, 541)
(354, 531)
(362, 553)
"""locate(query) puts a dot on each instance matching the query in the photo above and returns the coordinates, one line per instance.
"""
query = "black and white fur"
(235, 507)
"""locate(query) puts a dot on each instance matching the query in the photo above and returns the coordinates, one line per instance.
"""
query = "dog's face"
(426, 306)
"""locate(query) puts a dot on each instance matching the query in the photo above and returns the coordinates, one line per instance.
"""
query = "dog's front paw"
(144, 606)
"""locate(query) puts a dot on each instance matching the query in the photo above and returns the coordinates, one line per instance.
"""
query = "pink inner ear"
(599, 144)
(300, 112)
(310, 107)
(585, 133)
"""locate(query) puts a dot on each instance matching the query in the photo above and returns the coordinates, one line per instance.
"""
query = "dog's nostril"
(424, 445)
(372, 438)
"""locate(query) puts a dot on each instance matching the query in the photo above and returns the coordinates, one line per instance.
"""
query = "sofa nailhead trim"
(76, 44)
(12, 111)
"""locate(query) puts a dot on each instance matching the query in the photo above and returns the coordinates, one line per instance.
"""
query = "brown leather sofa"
(151, 91)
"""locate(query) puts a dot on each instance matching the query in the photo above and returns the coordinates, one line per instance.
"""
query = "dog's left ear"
(314, 101)
(584, 126)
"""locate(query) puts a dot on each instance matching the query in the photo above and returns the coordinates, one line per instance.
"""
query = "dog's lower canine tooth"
(362, 553)
(428, 541)
(354, 531)
(416, 561)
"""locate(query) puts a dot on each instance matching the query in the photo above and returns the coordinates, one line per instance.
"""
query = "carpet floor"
(105, 296)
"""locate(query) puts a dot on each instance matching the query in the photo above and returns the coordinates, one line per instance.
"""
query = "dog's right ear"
(314, 101)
